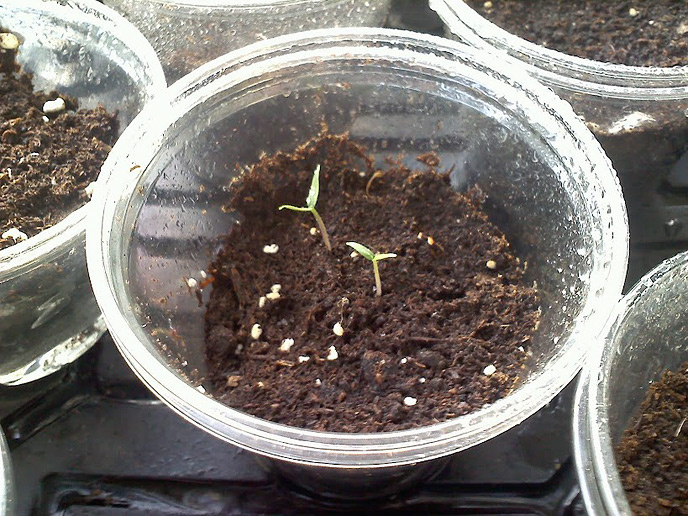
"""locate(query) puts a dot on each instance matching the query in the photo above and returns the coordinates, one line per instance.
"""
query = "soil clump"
(653, 452)
(449, 333)
(47, 159)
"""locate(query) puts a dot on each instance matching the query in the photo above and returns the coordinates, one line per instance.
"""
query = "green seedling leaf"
(293, 208)
(311, 201)
(374, 257)
(362, 250)
(312, 198)
(384, 256)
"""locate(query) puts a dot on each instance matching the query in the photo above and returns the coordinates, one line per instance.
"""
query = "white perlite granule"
(286, 345)
(8, 41)
(54, 106)
(90, 188)
(15, 235)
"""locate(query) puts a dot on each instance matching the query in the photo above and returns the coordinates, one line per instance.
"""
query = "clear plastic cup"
(6, 479)
(187, 33)
(647, 335)
(549, 186)
(48, 315)
(637, 113)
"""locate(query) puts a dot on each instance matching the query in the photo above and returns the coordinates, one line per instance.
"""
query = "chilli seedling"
(373, 257)
(311, 200)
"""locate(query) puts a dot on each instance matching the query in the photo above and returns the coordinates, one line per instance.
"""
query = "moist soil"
(46, 160)
(644, 140)
(653, 453)
(449, 333)
(630, 32)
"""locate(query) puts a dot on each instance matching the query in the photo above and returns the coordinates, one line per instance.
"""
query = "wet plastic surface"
(186, 35)
(95, 441)
(48, 315)
(637, 114)
(646, 337)
(548, 184)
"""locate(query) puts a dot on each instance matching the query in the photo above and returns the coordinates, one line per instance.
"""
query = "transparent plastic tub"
(549, 186)
(48, 315)
(647, 334)
(637, 113)
(6, 479)
(187, 34)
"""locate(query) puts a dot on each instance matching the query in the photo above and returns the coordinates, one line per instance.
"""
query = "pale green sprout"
(311, 200)
(373, 257)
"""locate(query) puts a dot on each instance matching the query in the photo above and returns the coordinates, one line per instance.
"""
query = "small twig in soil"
(237, 286)
(373, 257)
(311, 200)
(680, 427)
(438, 340)
(377, 174)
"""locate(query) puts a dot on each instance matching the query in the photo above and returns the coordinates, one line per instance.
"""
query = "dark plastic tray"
(95, 441)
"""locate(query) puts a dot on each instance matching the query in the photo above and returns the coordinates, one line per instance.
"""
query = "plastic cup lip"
(6, 482)
(245, 4)
(564, 70)
(330, 449)
(24, 255)
(594, 451)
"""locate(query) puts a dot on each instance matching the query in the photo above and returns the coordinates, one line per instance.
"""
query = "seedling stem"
(373, 257)
(321, 227)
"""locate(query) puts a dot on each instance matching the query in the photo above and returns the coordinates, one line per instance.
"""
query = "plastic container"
(48, 316)
(187, 34)
(647, 335)
(6, 479)
(550, 188)
(637, 113)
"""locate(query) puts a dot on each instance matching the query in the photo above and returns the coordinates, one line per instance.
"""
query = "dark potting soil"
(653, 453)
(630, 32)
(46, 160)
(644, 140)
(449, 333)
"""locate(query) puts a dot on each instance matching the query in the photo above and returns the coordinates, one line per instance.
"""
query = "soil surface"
(630, 32)
(46, 159)
(653, 453)
(449, 333)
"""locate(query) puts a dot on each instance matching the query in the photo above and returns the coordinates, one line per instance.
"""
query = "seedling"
(311, 200)
(373, 257)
